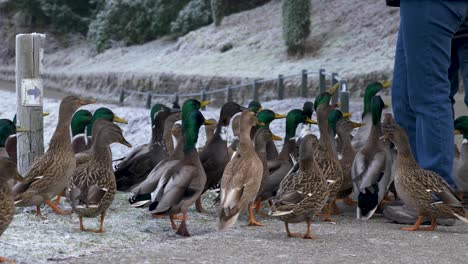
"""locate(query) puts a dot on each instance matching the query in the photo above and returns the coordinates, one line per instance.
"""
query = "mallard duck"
(11, 141)
(461, 162)
(363, 132)
(262, 137)
(142, 192)
(325, 156)
(372, 167)
(80, 120)
(215, 156)
(306, 129)
(92, 186)
(303, 194)
(279, 167)
(138, 164)
(255, 106)
(242, 176)
(422, 190)
(266, 116)
(342, 126)
(343, 129)
(85, 156)
(49, 175)
(7, 206)
(168, 132)
(84, 142)
(184, 180)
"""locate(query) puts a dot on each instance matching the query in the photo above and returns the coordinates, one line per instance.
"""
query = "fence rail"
(342, 96)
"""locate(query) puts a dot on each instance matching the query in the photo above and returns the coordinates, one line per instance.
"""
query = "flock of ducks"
(300, 182)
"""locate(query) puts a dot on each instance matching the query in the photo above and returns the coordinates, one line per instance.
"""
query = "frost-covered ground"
(132, 236)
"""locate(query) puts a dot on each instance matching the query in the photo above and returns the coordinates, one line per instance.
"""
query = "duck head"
(262, 136)
(80, 120)
(70, 104)
(228, 110)
(192, 105)
(461, 126)
(109, 133)
(267, 116)
(7, 128)
(309, 145)
(377, 106)
(255, 106)
(371, 90)
(293, 119)
(106, 114)
(191, 126)
(308, 109)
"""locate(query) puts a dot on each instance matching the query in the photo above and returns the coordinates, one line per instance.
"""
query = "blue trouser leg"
(427, 28)
(402, 111)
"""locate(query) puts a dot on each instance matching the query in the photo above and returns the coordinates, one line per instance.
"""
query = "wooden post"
(29, 90)
(280, 87)
(148, 100)
(322, 81)
(228, 94)
(336, 94)
(304, 84)
(256, 85)
(122, 97)
(203, 98)
(344, 96)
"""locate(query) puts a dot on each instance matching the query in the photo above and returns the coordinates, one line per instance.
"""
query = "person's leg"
(428, 29)
(462, 47)
(453, 73)
(402, 111)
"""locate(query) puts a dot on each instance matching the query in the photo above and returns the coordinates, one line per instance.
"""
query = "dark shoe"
(403, 215)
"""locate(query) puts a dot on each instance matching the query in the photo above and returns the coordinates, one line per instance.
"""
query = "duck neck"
(325, 138)
(62, 137)
(102, 153)
(348, 150)
(287, 149)
(245, 142)
(221, 129)
(374, 135)
(404, 154)
(157, 135)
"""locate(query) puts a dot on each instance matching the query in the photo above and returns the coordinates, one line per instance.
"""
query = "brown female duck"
(422, 190)
(303, 194)
(242, 176)
(7, 206)
(92, 186)
(49, 175)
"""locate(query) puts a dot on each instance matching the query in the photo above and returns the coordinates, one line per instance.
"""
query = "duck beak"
(457, 132)
(387, 84)
(260, 109)
(310, 121)
(332, 90)
(124, 142)
(260, 123)
(275, 137)
(120, 120)
(45, 114)
(356, 125)
(209, 122)
(346, 115)
(86, 101)
(204, 103)
(279, 116)
(21, 129)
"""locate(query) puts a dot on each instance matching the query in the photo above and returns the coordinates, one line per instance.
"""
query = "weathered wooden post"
(304, 84)
(228, 94)
(122, 97)
(149, 97)
(344, 96)
(336, 94)
(29, 91)
(280, 87)
(176, 104)
(322, 81)
(203, 97)
(256, 85)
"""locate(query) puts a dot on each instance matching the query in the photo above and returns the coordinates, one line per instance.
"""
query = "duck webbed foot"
(101, 226)
(5, 260)
(308, 234)
(252, 221)
(39, 213)
(199, 206)
(416, 225)
(182, 230)
(59, 197)
(289, 232)
(57, 209)
(348, 201)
